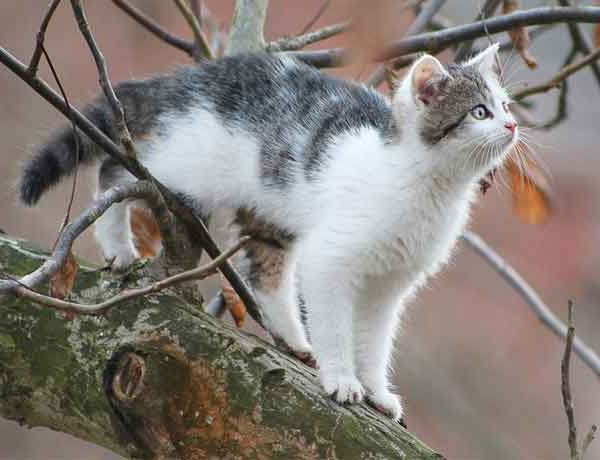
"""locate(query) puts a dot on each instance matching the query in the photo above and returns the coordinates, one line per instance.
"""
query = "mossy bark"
(156, 377)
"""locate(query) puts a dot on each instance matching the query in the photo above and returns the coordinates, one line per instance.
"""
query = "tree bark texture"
(156, 377)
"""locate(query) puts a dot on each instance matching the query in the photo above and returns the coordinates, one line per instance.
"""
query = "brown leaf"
(519, 35)
(234, 304)
(530, 191)
(146, 235)
(62, 282)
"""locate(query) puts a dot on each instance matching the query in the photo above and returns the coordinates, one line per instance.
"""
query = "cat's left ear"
(486, 61)
(428, 78)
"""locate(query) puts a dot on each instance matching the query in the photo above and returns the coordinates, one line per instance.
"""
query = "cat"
(352, 198)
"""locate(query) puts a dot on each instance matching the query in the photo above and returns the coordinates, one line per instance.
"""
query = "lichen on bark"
(157, 377)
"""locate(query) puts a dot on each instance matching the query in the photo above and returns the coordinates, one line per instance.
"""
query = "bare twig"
(562, 100)
(566, 385)
(199, 38)
(76, 169)
(581, 41)
(109, 92)
(174, 203)
(555, 81)
(299, 42)
(101, 308)
(437, 41)
(316, 17)
(69, 233)
(155, 28)
(39, 38)
(541, 310)
(428, 11)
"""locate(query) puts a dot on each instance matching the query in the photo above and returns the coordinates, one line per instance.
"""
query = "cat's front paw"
(344, 388)
(386, 402)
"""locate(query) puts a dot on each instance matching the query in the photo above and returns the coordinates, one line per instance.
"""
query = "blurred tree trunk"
(156, 377)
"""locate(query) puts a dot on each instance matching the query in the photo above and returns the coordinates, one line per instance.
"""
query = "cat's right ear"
(428, 78)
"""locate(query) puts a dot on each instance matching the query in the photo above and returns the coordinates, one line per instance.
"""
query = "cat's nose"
(511, 126)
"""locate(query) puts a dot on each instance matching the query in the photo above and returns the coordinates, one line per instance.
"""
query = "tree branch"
(541, 310)
(39, 38)
(487, 10)
(299, 42)
(150, 25)
(581, 41)
(428, 11)
(335, 57)
(566, 386)
(200, 40)
(156, 378)
(437, 41)
(101, 308)
(555, 81)
(247, 25)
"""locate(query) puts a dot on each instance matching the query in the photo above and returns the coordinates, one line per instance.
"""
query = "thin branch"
(69, 233)
(437, 41)
(179, 209)
(299, 42)
(316, 17)
(39, 38)
(487, 10)
(77, 146)
(199, 38)
(541, 310)
(562, 100)
(566, 385)
(109, 92)
(581, 41)
(555, 81)
(101, 308)
(428, 11)
(152, 26)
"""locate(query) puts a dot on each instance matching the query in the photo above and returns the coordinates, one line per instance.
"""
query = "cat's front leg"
(329, 293)
(375, 326)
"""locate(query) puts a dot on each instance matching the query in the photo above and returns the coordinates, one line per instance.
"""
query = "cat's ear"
(486, 61)
(428, 78)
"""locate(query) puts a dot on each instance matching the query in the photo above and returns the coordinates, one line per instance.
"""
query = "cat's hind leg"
(268, 263)
(113, 230)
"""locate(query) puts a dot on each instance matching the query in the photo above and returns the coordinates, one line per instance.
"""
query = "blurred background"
(479, 373)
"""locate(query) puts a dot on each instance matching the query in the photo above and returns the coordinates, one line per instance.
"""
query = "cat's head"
(460, 111)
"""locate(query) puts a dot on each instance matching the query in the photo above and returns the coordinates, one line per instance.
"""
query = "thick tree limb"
(541, 310)
(247, 25)
(155, 28)
(159, 379)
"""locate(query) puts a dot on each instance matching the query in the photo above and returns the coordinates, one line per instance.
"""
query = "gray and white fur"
(354, 198)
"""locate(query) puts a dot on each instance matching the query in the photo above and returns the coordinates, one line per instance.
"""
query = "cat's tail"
(58, 157)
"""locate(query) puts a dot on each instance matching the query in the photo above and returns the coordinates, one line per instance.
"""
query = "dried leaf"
(530, 191)
(62, 282)
(234, 304)
(146, 235)
(519, 35)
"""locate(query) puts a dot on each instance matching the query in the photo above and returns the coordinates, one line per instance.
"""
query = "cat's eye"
(506, 107)
(480, 112)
